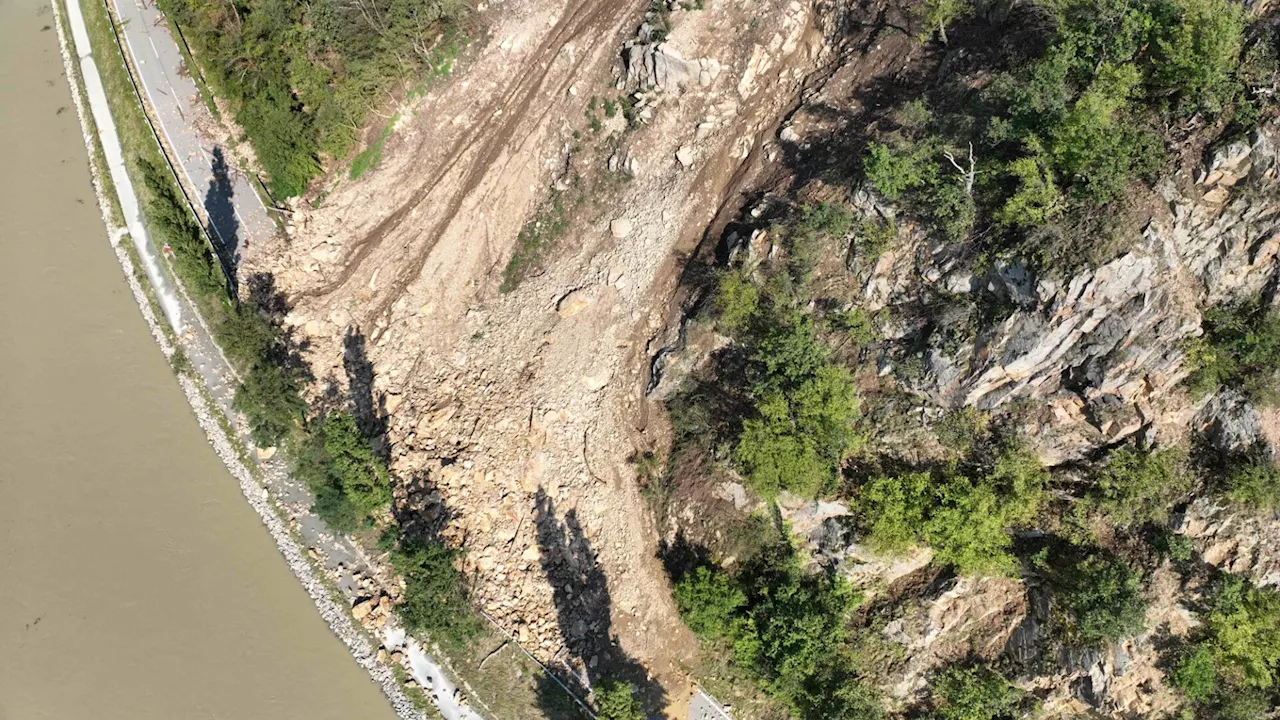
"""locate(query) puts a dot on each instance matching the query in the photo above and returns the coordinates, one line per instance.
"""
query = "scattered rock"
(573, 303)
(686, 156)
(620, 227)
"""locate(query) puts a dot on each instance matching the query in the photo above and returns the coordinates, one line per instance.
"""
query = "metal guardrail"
(227, 272)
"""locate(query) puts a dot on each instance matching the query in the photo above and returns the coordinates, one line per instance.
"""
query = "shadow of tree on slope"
(583, 603)
(368, 406)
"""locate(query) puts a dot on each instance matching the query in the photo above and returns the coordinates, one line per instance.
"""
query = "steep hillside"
(843, 358)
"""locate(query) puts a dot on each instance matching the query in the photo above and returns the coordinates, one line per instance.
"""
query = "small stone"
(361, 610)
(266, 453)
(596, 383)
(572, 304)
(620, 228)
(685, 156)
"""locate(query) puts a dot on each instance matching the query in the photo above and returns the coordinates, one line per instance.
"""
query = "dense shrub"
(805, 409)
(978, 693)
(785, 627)
(170, 219)
(617, 701)
(1228, 671)
(709, 602)
(963, 513)
(1061, 134)
(302, 77)
(1254, 482)
(1240, 349)
(1133, 487)
(270, 398)
(1243, 632)
(736, 300)
(433, 602)
(1096, 596)
(1196, 674)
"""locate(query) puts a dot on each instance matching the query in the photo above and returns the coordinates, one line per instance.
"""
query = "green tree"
(936, 15)
(270, 398)
(806, 407)
(709, 602)
(978, 693)
(1240, 349)
(433, 601)
(1255, 482)
(362, 477)
(895, 509)
(1198, 46)
(1134, 487)
(617, 701)
(1243, 630)
(1037, 199)
(893, 172)
(736, 301)
(1196, 674)
(964, 514)
(1098, 597)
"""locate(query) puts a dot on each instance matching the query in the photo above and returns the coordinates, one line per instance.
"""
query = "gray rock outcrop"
(1103, 351)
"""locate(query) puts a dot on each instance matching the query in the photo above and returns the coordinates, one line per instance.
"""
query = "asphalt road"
(235, 211)
(703, 707)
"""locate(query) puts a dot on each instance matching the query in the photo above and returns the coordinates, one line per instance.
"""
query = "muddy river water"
(135, 582)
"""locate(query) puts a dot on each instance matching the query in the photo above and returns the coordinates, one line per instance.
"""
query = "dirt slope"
(511, 417)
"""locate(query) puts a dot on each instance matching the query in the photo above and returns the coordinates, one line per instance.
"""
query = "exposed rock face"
(1229, 423)
(822, 526)
(1102, 351)
(658, 65)
(1235, 541)
(974, 617)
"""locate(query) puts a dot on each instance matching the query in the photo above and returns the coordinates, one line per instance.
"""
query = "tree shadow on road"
(224, 226)
(583, 603)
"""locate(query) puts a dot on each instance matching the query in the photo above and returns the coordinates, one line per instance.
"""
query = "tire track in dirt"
(495, 132)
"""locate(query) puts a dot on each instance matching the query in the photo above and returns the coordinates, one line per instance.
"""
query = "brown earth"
(513, 417)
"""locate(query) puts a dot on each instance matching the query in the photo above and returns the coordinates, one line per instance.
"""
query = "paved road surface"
(236, 212)
(704, 707)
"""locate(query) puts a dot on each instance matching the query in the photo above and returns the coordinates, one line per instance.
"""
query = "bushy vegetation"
(1231, 668)
(964, 512)
(173, 226)
(1240, 349)
(785, 629)
(1097, 597)
(1135, 487)
(302, 78)
(434, 602)
(1254, 481)
(805, 409)
(976, 692)
(1035, 155)
(349, 482)
(617, 701)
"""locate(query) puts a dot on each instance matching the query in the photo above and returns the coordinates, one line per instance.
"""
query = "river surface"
(135, 581)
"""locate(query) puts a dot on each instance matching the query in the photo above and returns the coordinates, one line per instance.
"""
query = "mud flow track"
(479, 151)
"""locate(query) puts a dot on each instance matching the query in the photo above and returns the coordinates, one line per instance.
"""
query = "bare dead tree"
(968, 175)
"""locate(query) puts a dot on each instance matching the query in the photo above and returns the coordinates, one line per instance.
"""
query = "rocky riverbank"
(284, 524)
